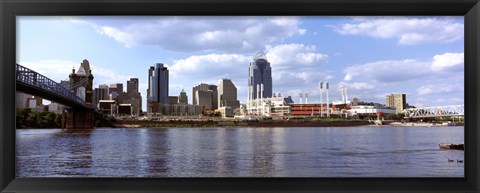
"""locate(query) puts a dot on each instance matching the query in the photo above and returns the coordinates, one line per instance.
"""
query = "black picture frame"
(11, 8)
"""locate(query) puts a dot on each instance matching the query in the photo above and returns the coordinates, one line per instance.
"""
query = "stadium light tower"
(321, 98)
(328, 106)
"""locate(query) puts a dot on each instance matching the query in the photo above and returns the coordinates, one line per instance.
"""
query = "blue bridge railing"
(32, 78)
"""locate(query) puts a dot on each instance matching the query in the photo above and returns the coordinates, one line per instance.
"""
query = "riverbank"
(235, 123)
(408, 124)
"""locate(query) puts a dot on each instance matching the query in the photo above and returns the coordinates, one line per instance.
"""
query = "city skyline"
(373, 56)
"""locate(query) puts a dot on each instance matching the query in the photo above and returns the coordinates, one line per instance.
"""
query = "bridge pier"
(78, 119)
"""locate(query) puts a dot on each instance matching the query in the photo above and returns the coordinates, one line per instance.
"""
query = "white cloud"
(348, 77)
(447, 61)
(413, 77)
(388, 71)
(329, 77)
(420, 102)
(56, 70)
(302, 31)
(106, 76)
(197, 33)
(439, 89)
(448, 101)
(358, 85)
(408, 31)
(235, 66)
(286, 56)
(292, 78)
(211, 65)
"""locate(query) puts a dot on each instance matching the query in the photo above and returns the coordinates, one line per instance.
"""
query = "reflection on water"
(240, 152)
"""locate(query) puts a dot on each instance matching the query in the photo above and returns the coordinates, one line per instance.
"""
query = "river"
(364, 151)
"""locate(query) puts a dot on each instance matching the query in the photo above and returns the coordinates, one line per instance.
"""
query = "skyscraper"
(205, 95)
(150, 74)
(132, 97)
(227, 94)
(100, 93)
(158, 84)
(399, 101)
(132, 85)
(259, 73)
(114, 90)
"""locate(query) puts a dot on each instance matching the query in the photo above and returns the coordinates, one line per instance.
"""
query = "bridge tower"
(81, 83)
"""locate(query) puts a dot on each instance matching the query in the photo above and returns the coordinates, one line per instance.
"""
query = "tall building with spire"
(259, 73)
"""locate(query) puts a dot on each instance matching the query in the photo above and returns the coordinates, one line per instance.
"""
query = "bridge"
(79, 113)
(439, 111)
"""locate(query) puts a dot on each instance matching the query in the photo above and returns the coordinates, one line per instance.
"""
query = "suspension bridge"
(77, 97)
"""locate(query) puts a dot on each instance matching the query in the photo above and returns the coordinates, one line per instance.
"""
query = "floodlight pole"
(321, 98)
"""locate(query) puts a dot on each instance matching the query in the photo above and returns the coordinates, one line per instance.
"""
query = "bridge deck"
(31, 82)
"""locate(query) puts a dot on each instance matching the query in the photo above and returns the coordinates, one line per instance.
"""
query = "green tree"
(21, 117)
(32, 119)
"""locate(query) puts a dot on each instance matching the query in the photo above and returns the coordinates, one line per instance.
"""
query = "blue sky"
(422, 57)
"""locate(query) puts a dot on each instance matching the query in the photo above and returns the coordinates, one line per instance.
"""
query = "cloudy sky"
(422, 57)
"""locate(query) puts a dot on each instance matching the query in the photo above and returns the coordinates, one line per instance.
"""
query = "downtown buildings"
(114, 101)
(130, 98)
(260, 99)
(215, 96)
(158, 100)
(221, 97)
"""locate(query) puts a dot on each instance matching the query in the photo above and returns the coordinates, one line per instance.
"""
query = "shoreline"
(400, 124)
(228, 123)
(267, 123)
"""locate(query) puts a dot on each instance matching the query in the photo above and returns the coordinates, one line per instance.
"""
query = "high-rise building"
(259, 73)
(132, 85)
(114, 90)
(21, 100)
(205, 95)
(227, 94)
(132, 97)
(158, 84)
(399, 101)
(183, 98)
(100, 93)
(150, 74)
(118, 88)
